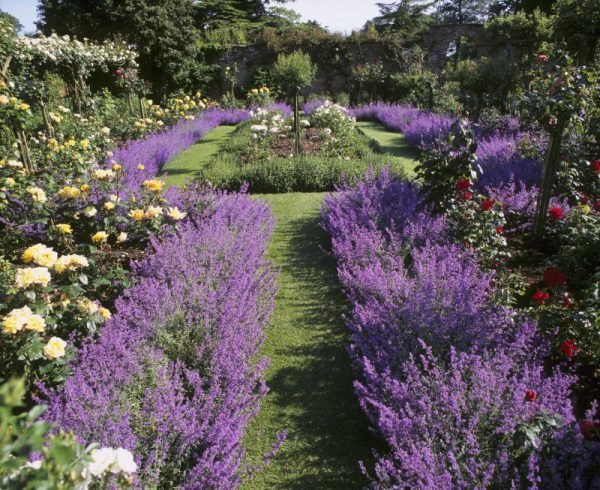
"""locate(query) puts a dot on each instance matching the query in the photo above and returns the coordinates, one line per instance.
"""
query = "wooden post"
(297, 123)
(548, 176)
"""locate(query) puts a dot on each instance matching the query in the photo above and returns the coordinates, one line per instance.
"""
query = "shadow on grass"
(328, 432)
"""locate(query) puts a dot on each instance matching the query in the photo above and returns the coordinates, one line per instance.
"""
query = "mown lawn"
(310, 379)
(189, 163)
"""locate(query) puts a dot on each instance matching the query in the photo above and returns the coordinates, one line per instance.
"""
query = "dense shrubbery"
(261, 152)
(174, 375)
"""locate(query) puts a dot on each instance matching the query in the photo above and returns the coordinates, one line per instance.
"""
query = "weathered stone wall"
(335, 77)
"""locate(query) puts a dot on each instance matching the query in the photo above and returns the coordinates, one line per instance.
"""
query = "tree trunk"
(297, 123)
(548, 176)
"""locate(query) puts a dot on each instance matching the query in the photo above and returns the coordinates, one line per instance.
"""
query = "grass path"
(392, 143)
(310, 378)
(187, 164)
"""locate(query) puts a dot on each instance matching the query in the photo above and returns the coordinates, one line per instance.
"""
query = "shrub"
(175, 375)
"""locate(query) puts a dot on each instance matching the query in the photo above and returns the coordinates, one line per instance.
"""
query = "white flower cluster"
(266, 122)
(332, 118)
(85, 55)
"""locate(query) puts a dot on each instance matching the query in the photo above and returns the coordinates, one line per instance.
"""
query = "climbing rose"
(555, 213)
(540, 297)
(554, 277)
(487, 204)
(568, 348)
(530, 395)
(462, 184)
(596, 166)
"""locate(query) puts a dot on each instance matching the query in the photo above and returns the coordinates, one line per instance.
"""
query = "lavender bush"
(175, 374)
(450, 380)
(157, 149)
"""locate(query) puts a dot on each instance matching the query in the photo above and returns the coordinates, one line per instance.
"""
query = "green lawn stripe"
(310, 378)
(188, 164)
(392, 143)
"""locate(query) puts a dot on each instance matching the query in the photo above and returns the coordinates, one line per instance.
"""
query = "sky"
(337, 15)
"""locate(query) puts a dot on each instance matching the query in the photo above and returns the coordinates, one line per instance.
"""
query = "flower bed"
(174, 376)
(451, 378)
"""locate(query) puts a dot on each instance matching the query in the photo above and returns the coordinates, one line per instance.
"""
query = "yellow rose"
(23, 106)
(35, 323)
(37, 194)
(55, 348)
(9, 181)
(70, 262)
(64, 229)
(16, 320)
(140, 167)
(136, 214)
(175, 214)
(109, 205)
(84, 144)
(116, 167)
(102, 174)
(88, 306)
(3, 100)
(35, 275)
(153, 212)
(586, 209)
(69, 192)
(104, 313)
(40, 255)
(90, 211)
(85, 187)
(105, 131)
(99, 236)
(153, 185)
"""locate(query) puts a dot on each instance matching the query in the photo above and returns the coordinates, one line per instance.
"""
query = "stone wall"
(337, 77)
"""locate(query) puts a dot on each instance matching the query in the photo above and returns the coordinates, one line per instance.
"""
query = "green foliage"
(445, 165)
(294, 71)
(272, 174)
(407, 18)
(461, 11)
(577, 22)
(22, 434)
(535, 27)
(164, 33)
(476, 79)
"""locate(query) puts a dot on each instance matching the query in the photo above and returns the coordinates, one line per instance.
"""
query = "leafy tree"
(163, 32)
(293, 72)
(408, 18)
(577, 23)
(12, 19)
(535, 27)
(503, 7)
(462, 11)
(211, 14)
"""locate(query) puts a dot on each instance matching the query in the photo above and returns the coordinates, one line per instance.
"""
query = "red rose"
(568, 348)
(487, 204)
(596, 166)
(585, 199)
(567, 301)
(542, 58)
(540, 297)
(597, 205)
(462, 184)
(590, 429)
(554, 277)
(467, 195)
(499, 229)
(530, 395)
(118, 72)
(555, 213)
